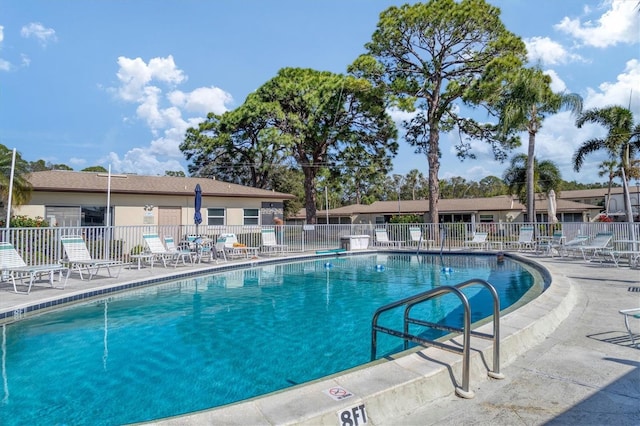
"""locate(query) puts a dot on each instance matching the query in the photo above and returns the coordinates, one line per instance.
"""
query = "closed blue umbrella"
(197, 216)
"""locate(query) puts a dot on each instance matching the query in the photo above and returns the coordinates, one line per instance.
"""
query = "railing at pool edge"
(411, 301)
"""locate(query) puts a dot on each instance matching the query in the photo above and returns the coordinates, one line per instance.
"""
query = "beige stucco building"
(501, 209)
(69, 198)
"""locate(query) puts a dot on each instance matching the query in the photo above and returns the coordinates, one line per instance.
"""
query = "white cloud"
(557, 84)
(202, 100)
(39, 32)
(559, 138)
(142, 162)
(624, 91)
(166, 116)
(4, 65)
(548, 52)
(399, 116)
(618, 24)
(78, 163)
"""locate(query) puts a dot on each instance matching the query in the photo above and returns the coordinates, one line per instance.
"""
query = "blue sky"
(117, 83)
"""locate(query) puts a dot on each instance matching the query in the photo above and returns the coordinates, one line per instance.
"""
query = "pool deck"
(566, 357)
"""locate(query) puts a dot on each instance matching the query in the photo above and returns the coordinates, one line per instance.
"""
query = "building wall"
(129, 209)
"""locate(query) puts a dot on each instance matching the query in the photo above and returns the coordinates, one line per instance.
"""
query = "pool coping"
(390, 388)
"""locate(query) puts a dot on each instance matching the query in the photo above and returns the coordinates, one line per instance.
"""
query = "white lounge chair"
(179, 253)
(79, 259)
(382, 239)
(628, 315)
(525, 239)
(479, 240)
(233, 248)
(269, 242)
(551, 246)
(572, 247)
(596, 245)
(417, 239)
(160, 253)
(13, 267)
(220, 248)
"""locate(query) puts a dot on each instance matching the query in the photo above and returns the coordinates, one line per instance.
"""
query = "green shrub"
(25, 222)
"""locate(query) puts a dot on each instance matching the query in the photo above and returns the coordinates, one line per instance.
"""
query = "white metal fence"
(42, 245)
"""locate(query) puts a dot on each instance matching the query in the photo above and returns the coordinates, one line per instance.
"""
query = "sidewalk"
(584, 373)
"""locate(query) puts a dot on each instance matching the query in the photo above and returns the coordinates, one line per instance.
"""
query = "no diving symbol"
(338, 393)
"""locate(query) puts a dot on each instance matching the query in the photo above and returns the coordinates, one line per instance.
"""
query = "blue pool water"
(203, 342)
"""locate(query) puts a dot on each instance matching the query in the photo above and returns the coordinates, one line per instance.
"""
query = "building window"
(215, 217)
(486, 218)
(379, 220)
(76, 216)
(252, 216)
(571, 217)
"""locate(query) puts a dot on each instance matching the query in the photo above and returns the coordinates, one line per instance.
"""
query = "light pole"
(326, 203)
(398, 180)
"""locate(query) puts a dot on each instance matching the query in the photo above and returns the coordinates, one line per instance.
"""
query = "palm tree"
(622, 141)
(546, 177)
(524, 104)
(21, 186)
(611, 169)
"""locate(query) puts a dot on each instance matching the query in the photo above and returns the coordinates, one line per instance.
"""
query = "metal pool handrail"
(411, 301)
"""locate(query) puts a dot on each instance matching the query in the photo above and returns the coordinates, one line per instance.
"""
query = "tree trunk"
(434, 168)
(310, 194)
(531, 200)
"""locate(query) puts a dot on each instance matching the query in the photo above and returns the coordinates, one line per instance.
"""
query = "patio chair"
(628, 315)
(79, 259)
(479, 240)
(13, 267)
(233, 248)
(160, 253)
(202, 248)
(179, 253)
(572, 247)
(417, 239)
(382, 239)
(596, 245)
(525, 239)
(269, 242)
(551, 246)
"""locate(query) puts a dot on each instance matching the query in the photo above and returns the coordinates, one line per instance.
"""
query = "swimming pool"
(203, 342)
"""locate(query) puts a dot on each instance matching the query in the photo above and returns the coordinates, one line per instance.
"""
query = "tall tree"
(21, 186)
(414, 182)
(238, 146)
(523, 104)
(99, 169)
(611, 169)
(322, 118)
(622, 140)
(41, 165)
(546, 176)
(434, 56)
(358, 175)
(491, 186)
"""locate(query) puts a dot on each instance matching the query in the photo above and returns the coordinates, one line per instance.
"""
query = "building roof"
(97, 182)
(458, 205)
(596, 192)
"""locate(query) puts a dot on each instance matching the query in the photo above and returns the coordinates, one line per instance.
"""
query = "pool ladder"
(410, 302)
